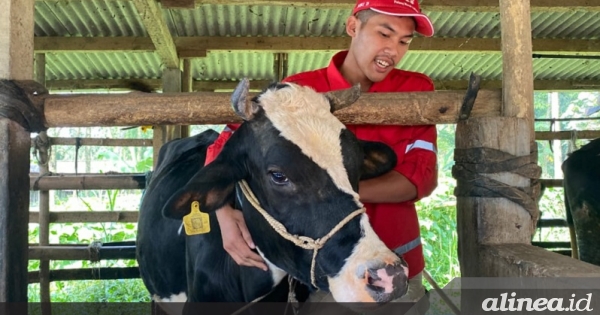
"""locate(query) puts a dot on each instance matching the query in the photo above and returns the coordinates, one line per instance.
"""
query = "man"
(381, 31)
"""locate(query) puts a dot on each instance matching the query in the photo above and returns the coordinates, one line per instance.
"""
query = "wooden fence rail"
(107, 142)
(81, 252)
(86, 181)
(551, 182)
(197, 108)
(102, 273)
(101, 142)
(87, 216)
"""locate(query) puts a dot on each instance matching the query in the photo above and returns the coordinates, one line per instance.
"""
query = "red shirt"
(395, 223)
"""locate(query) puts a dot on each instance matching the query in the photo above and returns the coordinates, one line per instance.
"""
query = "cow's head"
(303, 166)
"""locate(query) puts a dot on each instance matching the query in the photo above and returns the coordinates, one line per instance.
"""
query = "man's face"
(379, 44)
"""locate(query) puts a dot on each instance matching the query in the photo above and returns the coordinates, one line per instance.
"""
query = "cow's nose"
(387, 282)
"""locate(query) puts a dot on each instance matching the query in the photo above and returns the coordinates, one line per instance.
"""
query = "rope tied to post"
(94, 251)
(300, 241)
(23, 102)
(42, 148)
(472, 163)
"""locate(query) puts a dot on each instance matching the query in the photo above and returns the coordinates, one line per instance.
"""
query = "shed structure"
(201, 47)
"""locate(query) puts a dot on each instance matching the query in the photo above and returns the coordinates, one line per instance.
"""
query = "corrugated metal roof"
(259, 66)
(70, 66)
(235, 65)
(87, 18)
(120, 18)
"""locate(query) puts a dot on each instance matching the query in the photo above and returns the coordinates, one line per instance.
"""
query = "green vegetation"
(437, 212)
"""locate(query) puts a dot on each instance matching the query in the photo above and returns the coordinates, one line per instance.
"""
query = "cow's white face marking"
(304, 118)
(349, 285)
(277, 273)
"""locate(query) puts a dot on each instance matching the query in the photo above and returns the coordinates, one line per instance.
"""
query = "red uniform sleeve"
(419, 162)
(419, 151)
(216, 147)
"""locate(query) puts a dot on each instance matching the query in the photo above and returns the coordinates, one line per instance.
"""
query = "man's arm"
(415, 175)
(391, 187)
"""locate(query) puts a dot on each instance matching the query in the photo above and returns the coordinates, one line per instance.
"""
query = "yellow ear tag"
(196, 222)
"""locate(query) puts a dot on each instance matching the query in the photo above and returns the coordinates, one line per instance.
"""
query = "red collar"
(337, 81)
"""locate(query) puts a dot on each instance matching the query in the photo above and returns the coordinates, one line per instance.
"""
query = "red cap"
(398, 8)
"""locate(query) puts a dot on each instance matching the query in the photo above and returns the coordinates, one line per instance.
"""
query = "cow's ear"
(242, 105)
(213, 187)
(379, 159)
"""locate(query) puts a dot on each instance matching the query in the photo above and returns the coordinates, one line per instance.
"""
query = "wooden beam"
(87, 182)
(429, 5)
(87, 217)
(171, 81)
(178, 4)
(194, 47)
(81, 252)
(156, 26)
(522, 260)
(187, 82)
(16, 63)
(567, 135)
(517, 65)
(91, 44)
(140, 109)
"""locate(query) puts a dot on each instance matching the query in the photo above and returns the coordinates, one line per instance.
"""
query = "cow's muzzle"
(385, 283)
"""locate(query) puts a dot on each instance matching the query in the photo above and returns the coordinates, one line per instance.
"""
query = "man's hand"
(236, 238)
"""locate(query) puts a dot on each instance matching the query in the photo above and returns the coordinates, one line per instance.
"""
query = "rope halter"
(300, 241)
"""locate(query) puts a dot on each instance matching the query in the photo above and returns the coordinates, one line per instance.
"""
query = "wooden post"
(280, 64)
(16, 62)
(187, 84)
(42, 146)
(162, 134)
(556, 144)
(496, 212)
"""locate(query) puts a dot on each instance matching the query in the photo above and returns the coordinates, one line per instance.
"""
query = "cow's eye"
(279, 178)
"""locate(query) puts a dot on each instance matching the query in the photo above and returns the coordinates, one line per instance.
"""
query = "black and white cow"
(582, 199)
(303, 167)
